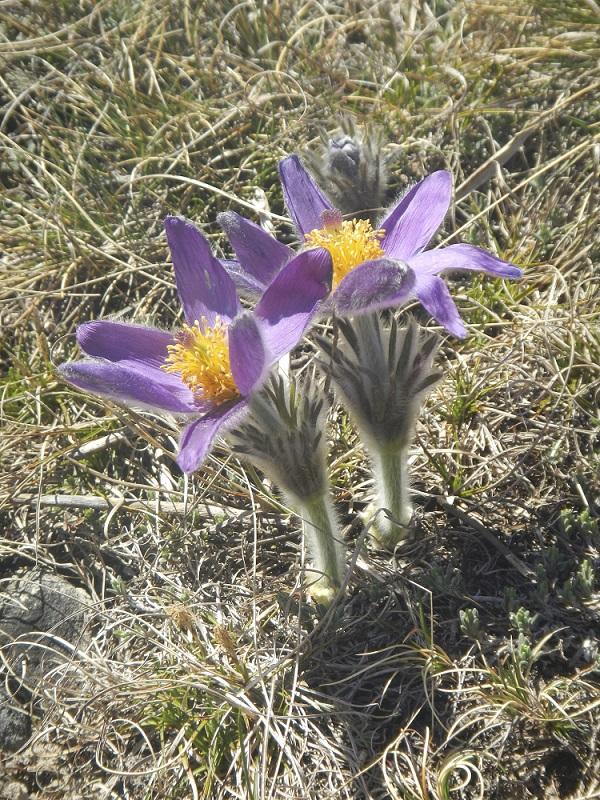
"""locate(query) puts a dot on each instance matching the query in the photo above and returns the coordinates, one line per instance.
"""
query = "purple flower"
(204, 373)
(372, 269)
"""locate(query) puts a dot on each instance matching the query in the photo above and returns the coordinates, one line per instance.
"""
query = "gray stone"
(42, 623)
(15, 724)
(37, 610)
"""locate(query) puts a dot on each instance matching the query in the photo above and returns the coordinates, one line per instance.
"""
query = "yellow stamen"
(201, 358)
(350, 243)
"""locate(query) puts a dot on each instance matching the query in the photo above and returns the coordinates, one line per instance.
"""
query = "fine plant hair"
(351, 169)
(383, 374)
(284, 436)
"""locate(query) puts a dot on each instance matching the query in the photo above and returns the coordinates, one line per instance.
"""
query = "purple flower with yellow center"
(205, 373)
(373, 268)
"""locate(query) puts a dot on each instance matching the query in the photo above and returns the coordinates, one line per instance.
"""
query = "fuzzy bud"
(383, 374)
(351, 171)
(284, 436)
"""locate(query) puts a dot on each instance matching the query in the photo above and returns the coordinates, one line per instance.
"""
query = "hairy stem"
(391, 483)
(325, 550)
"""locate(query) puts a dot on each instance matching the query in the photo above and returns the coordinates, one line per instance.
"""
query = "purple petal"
(303, 198)
(198, 437)
(258, 252)
(119, 341)
(433, 294)
(246, 353)
(413, 221)
(205, 289)
(149, 388)
(286, 308)
(377, 284)
(462, 256)
(246, 285)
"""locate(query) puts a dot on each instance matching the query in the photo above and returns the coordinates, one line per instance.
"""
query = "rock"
(41, 614)
(37, 610)
(15, 724)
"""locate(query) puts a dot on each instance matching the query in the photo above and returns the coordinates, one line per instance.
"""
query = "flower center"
(201, 358)
(349, 243)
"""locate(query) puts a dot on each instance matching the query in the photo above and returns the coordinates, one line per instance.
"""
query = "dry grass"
(466, 667)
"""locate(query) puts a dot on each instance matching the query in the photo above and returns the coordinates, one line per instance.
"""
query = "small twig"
(98, 444)
(118, 503)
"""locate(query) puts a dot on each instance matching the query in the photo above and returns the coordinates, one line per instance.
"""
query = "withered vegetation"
(466, 666)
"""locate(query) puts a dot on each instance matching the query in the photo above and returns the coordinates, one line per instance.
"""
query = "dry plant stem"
(326, 572)
(392, 504)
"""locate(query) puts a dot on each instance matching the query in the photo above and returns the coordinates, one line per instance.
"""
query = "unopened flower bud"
(351, 171)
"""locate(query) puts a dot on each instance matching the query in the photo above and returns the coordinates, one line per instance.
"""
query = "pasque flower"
(284, 435)
(372, 268)
(204, 373)
(383, 374)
